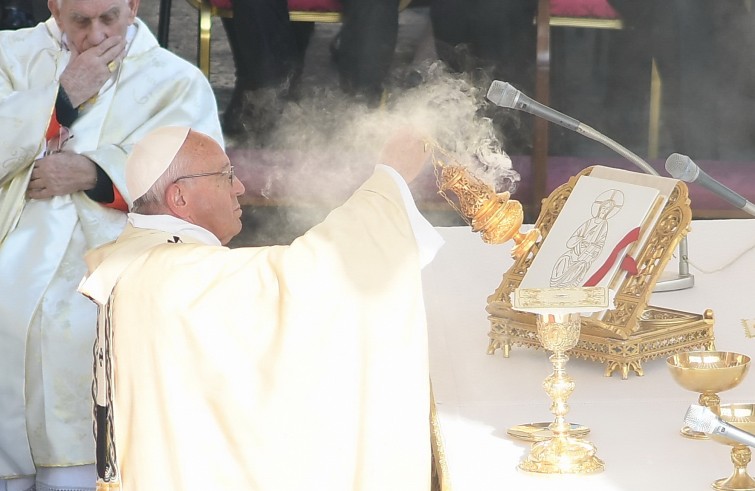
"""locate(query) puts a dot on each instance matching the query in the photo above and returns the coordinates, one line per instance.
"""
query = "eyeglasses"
(228, 173)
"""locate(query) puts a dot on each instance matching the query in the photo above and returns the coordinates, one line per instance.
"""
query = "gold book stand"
(631, 333)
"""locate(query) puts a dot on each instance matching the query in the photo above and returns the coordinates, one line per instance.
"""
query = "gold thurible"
(494, 215)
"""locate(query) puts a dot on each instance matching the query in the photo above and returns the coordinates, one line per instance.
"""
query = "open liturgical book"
(604, 223)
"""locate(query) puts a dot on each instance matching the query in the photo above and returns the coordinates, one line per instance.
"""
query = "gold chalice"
(707, 372)
(741, 415)
(494, 215)
(563, 453)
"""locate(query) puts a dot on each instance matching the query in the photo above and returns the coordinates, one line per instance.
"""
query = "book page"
(592, 233)
(665, 186)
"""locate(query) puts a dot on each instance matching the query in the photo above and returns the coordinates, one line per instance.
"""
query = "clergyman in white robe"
(286, 368)
(47, 329)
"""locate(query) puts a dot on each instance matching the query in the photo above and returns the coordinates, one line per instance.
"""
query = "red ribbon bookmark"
(628, 263)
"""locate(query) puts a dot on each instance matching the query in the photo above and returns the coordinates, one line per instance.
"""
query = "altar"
(634, 423)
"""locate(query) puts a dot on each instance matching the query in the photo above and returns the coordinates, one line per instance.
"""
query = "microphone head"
(681, 167)
(502, 94)
(700, 418)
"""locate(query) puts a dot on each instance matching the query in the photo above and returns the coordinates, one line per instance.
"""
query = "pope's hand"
(408, 152)
(88, 71)
(61, 173)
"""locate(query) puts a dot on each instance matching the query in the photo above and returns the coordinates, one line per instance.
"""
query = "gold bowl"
(708, 373)
(741, 415)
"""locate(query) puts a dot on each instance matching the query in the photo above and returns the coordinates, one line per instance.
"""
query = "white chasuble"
(46, 327)
(301, 367)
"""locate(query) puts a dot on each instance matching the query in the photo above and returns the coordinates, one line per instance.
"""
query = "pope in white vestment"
(301, 367)
(47, 329)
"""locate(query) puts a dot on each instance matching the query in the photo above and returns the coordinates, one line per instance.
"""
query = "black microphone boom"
(505, 95)
(683, 168)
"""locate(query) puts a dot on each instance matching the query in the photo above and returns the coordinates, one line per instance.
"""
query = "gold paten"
(538, 432)
(496, 217)
(630, 333)
(741, 415)
(708, 373)
(563, 453)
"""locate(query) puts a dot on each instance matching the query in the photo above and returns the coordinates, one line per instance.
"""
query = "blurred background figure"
(490, 39)
(268, 52)
(703, 52)
(365, 47)
(16, 14)
(497, 36)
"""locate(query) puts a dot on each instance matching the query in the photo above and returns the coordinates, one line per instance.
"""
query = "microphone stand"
(621, 150)
(684, 279)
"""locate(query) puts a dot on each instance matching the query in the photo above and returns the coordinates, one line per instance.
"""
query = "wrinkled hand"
(406, 151)
(88, 71)
(61, 173)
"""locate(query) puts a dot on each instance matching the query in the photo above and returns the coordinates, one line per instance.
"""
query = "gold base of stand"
(740, 455)
(562, 456)
(688, 432)
(662, 332)
(739, 481)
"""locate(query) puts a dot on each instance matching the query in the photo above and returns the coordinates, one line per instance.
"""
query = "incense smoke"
(325, 144)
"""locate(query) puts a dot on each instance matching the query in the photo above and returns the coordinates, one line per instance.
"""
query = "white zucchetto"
(151, 157)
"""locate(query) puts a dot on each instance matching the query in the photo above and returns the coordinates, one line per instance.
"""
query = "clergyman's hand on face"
(88, 71)
(61, 173)
(407, 151)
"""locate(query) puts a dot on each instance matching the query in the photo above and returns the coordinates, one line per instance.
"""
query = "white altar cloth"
(634, 423)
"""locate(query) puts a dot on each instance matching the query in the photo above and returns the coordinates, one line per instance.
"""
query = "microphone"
(505, 95)
(702, 419)
(683, 168)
